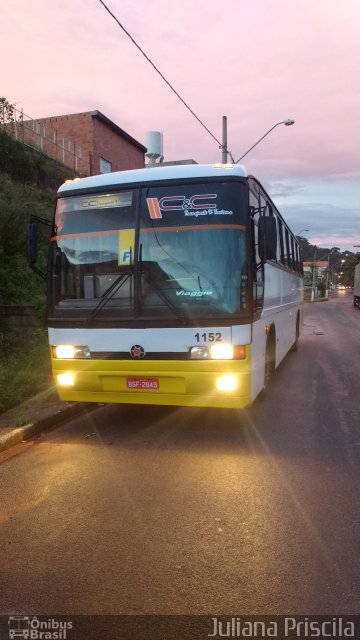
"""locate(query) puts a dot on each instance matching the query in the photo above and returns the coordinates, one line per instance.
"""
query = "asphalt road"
(176, 511)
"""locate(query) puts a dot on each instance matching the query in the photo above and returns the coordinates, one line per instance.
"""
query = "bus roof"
(154, 174)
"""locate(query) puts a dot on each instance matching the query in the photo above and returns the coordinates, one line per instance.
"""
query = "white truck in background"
(357, 286)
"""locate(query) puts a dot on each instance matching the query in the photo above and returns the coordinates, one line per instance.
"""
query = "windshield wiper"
(108, 295)
(162, 295)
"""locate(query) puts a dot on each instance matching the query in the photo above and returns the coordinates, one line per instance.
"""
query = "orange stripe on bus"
(113, 232)
(194, 227)
(154, 209)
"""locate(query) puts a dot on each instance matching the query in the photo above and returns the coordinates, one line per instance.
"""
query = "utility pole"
(313, 277)
(327, 279)
(224, 151)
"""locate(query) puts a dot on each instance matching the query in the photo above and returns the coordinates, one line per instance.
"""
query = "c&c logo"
(179, 203)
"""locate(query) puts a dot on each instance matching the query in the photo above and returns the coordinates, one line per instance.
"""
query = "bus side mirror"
(267, 238)
(31, 243)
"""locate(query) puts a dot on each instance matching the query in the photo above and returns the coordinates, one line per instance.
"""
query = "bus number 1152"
(208, 337)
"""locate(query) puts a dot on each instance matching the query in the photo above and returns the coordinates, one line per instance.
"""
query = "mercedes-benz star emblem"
(137, 351)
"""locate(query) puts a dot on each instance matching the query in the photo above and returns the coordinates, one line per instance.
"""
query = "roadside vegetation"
(28, 182)
(24, 365)
(24, 368)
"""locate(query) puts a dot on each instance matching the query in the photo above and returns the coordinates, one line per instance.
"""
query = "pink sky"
(257, 62)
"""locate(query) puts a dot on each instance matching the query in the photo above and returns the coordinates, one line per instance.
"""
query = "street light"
(301, 230)
(287, 122)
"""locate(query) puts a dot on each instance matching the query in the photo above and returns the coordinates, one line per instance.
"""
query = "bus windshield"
(175, 251)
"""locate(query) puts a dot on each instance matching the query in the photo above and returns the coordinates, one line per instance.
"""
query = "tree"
(7, 112)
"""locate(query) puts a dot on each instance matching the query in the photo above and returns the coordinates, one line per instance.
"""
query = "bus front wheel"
(269, 360)
(297, 333)
(269, 364)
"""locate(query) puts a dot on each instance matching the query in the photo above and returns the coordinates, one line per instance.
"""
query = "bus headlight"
(222, 351)
(69, 352)
(226, 382)
(199, 353)
(218, 351)
(66, 379)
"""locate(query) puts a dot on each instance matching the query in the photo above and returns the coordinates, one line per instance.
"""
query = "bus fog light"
(66, 379)
(226, 383)
(222, 351)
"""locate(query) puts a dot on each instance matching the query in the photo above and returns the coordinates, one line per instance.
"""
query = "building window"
(105, 166)
(37, 127)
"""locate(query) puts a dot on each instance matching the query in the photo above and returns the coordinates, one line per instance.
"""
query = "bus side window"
(285, 253)
(288, 259)
(294, 260)
(257, 271)
(280, 243)
(298, 258)
(272, 214)
(254, 203)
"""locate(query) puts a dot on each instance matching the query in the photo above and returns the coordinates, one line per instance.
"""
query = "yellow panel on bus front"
(163, 382)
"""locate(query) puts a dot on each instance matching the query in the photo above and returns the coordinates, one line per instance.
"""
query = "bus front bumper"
(210, 383)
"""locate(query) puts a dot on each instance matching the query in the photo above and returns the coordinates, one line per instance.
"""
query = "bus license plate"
(142, 383)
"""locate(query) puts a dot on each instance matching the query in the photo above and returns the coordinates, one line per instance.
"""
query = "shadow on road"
(259, 429)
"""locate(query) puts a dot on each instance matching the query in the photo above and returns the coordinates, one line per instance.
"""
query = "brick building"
(105, 146)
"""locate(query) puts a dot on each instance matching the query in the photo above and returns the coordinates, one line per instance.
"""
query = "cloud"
(286, 189)
(258, 63)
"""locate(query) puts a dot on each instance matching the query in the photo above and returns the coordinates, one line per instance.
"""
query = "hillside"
(28, 182)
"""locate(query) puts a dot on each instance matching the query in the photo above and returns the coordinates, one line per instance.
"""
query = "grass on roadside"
(24, 365)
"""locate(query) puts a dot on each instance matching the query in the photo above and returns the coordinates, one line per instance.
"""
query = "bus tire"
(269, 359)
(297, 333)
(269, 363)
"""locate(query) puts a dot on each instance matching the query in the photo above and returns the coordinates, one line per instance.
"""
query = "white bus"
(176, 285)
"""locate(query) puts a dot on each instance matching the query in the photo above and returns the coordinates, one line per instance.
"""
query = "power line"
(160, 74)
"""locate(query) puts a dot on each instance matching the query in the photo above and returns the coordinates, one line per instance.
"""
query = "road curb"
(16, 435)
